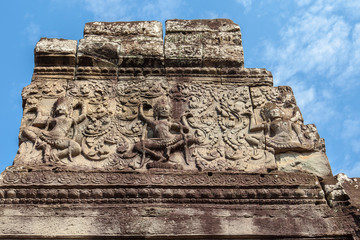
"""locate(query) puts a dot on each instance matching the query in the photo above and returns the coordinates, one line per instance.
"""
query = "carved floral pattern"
(211, 127)
(123, 179)
(113, 188)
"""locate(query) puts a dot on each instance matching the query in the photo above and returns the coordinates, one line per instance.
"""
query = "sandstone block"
(98, 53)
(218, 41)
(121, 29)
(55, 52)
(124, 44)
(316, 163)
(201, 25)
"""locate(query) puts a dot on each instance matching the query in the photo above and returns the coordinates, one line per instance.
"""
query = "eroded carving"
(277, 114)
(167, 137)
(158, 124)
(138, 114)
(281, 134)
(54, 136)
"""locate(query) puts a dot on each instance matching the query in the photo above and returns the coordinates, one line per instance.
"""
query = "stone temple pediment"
(145, 136)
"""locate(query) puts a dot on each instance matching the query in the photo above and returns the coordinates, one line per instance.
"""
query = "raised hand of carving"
(55, 135)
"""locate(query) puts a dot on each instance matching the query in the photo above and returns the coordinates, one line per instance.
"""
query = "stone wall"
(127, 136)
(217, 116)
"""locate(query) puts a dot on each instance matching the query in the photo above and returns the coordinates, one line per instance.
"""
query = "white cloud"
(354, 171)
(108, 10)
(351, 128)
(351, 76)
(318, 111)
(312, 44)
(355, 144)
(304, 95)
(321, 43)
(318, 40)
(352, 8)
(124, 10)
(213, 15)
(161, 10)
(351, 133)
(246, 4)
(303, 2)
(32, 32)
(351, 170)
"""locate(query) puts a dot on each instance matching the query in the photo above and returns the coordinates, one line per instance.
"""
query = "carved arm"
(40, 121)
(256, 127)
(253, 127)
(143, 117)
(296, 115)
(82, 116)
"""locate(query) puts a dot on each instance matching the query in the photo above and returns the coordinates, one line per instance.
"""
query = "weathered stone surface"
(110, 116)
(100, 53)
(227, 205)
(56, 46)
(201, 25)
(185, 222)
(316, 163)
(203, 43)
(342, 191)
(123, 139)
(125, 44)
(55, 52)
(141, 28)
(55, 59)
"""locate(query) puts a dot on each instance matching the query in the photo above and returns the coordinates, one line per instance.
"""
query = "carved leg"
(142, 147)
(155, 155)
(297, 129)
(30, 133)
(252, 140)
(173, 147)
(70, 149)
(46, 152)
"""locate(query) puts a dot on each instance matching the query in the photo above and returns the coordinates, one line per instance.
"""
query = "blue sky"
(312, 46)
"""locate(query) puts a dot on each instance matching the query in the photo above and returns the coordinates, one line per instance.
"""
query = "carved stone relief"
(277, 114)
(180, 127)
(144, 124)
(53, 136)
(140, 117)
(219, 117)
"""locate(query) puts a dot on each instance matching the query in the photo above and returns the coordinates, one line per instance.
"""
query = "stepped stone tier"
(126, 135)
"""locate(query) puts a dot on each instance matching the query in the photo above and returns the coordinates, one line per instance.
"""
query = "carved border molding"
(156, 179)
(245, 76)
(87, 197)
(47, 187)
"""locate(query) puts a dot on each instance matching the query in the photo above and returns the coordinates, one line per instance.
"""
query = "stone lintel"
(168, 222)
(187, 205)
